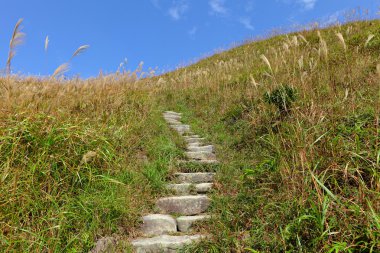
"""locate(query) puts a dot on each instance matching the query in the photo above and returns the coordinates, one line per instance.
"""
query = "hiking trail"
(171, 228)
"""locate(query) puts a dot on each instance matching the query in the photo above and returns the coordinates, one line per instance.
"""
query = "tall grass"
(16, 40)
(74, 156)
(307, 180)
(83, 159)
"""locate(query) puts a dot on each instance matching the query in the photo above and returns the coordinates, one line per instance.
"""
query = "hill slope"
(295, 120)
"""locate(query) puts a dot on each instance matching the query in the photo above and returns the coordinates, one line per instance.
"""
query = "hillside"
(295, 122)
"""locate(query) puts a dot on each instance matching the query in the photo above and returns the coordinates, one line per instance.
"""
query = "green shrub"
(282, 98)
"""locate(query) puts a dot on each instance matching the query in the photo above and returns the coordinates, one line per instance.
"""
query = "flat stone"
(173, 122)
(202, 155)
(185, 222)
(195, 178)
(164, 243)
(194, 145)
(171, 118)
(158, 224)
(203, 187)
(200, 161)
(187, 188)
(197, 148)
(184, 205)
(181, 128)
(194, 140)
(180, 189)
(171, 112)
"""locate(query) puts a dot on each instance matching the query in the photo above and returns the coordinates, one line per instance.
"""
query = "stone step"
(197, 148)
(192, 140)
(192, 136)
(184, 205)
(164, 243)
(195, 178)
(172, 113)
(195, 145)
(202, 155)
(173, 121)
(158, 224)
(199, 161)
(188, 188)
(185, 223)
(181, 129)
(169, 116)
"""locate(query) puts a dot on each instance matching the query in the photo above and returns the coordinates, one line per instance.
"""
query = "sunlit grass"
(295, 120)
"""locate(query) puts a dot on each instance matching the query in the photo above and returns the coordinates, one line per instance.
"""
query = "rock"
(187, 188)
(180, 189)
(203, 155)
(209, 148)
(158, 224)
(194, 145)
(181, 129)
(173, 116)
(185, 222)
(184, 205)
(203, 187)
(195, 178)
(173, 121)
(194, 140)
(164, 243)
(105, 245)
(172, 113)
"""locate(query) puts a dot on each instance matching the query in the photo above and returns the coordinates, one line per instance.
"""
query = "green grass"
(301, 178)
(74, 174)
(296, 131)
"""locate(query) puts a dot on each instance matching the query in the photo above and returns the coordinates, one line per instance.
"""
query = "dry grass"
(72, 168)
(311, 178)
(16, 40)
(305, 179)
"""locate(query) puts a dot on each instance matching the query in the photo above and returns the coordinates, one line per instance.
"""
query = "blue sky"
(161, 33)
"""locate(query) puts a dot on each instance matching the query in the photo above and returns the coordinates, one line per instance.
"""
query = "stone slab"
(202, 155)
(164, 243)
(195, 178)
(197, 148)
(194, 140)
(184, 205)
(158, 224)
(186, 222)
(188, 188)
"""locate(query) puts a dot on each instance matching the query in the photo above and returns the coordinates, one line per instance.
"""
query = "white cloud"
(193, 31)
(308, 4)
(333, 18)
(217, 6)
(178, 9)
(247, 23)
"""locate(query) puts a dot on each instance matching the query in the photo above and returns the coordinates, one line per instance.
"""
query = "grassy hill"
(295, 120)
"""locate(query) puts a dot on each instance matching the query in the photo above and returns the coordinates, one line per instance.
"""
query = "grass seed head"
(266, 61)
(63, 68)
(46, 43)
(16, 40)
(370, 37)
(80, 50)
(342, 41)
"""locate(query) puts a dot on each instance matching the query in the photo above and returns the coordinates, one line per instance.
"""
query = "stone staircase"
(171, 229)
